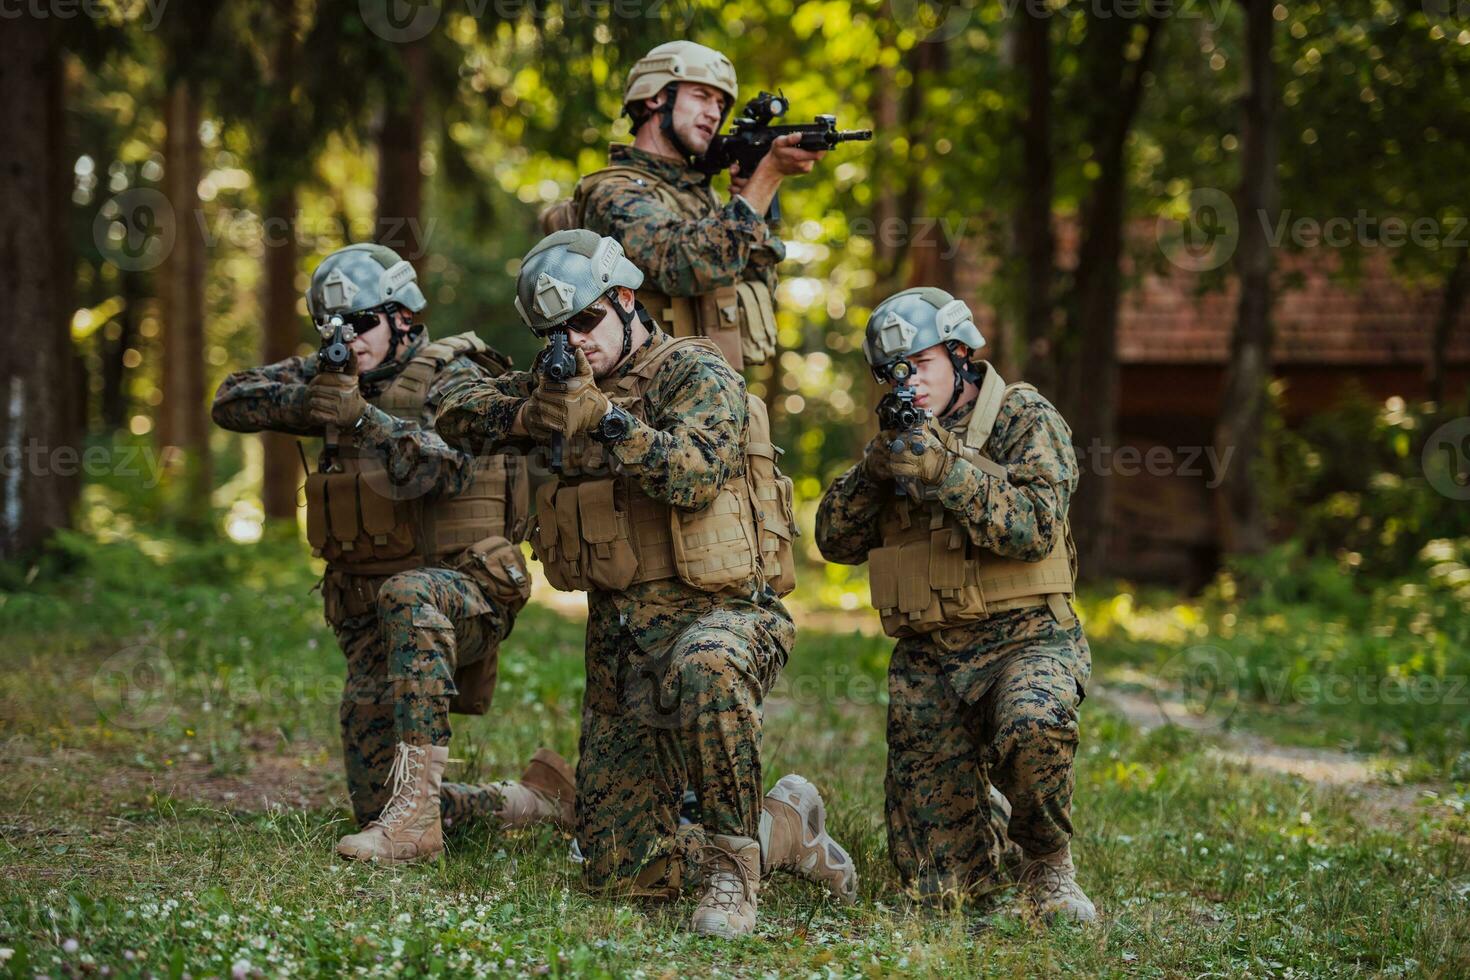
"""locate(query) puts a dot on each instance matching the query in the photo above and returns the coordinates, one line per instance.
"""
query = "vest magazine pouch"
(719, 321)
(316, 511)
(607, 548)
(385, 522)
(757, 321)
(777, 529)
(547, 542)
(883, 584)
(343, 533)
(714, 547)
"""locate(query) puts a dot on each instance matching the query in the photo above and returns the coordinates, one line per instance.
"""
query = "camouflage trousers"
(403, 636)
(997, 702)
(686, 714)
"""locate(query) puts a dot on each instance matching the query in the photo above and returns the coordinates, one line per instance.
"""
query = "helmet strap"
(666, 121)
(963, 371)
(626, 318)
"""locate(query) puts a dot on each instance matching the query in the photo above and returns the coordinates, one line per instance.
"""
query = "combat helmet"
(915, 320)
(664, 68)
(568, 271)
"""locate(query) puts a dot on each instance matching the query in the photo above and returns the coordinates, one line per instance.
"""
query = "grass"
(172, 792)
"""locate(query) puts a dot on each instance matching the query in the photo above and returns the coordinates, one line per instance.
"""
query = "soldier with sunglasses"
(669, 512)
(424, 571)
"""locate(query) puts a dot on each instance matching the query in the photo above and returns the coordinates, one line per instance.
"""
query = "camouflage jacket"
(682, 257)
(691, 445)
(1016, 517)
(273, 399)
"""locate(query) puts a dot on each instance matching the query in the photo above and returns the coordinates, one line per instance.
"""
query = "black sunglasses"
(587, 320)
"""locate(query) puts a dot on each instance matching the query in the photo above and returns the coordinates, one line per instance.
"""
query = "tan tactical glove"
(573, 406)
(931, 465)
(876, 459)
(334, 399)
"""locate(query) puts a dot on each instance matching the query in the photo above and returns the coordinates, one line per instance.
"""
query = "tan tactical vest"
(364, 525)
(599, 531)
(929, 575)
(740, 319)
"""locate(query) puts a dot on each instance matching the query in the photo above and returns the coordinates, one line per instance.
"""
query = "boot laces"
(404, 774)
(727, 882)
(1048, 879)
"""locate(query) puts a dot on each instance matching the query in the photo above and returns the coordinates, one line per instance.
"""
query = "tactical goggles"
(588, 319)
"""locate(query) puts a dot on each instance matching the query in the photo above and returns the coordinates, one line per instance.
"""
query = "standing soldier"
(424, 574)
(710, 268)
(962, 518)
(662, 457)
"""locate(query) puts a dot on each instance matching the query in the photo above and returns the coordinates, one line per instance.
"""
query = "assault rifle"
(897, 413)
(755, 129)
(557, 364)
(334, 357)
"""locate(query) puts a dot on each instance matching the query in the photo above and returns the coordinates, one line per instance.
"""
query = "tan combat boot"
(409, 828)
(793, 837)
(1051, 882)
(546, 793)
(732, 874)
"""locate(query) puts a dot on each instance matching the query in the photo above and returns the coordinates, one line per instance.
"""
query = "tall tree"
(1239, 428)
(1117, 56)
(400, 145)
(1032, 234)
(39, 391)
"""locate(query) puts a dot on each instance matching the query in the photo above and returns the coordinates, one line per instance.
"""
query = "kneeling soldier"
(962, 518)
(424, 574)
(669, 511)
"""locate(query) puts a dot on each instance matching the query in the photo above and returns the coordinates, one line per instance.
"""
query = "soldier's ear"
(626, 297)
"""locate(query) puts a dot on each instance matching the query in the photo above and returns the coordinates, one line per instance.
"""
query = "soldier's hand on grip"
(876, 459)
(573, 406)
(931, 464)
(334, 399)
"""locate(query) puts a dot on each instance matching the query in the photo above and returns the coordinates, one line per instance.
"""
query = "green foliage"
(1350, 484)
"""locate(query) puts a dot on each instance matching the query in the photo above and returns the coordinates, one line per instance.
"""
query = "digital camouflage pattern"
(402, 635)
(988, 702)
(681, 257)
(675, 675)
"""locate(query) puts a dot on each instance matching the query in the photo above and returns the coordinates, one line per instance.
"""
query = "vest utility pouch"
(607, 552)
(771, 499)
(348, 522)
(719, 321)
(883, 582)
(499, 568)
(757, 321)
(714, 548)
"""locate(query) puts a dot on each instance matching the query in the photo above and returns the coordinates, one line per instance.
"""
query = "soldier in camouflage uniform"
(710, 267)
(651, 513)
(424, 576)
(963, 521)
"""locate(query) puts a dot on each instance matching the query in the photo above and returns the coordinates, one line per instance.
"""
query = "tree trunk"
(1243, 401)
(1031, 344)
(400, 145)
(182, 423)
(1087, 386)
(1452, 301)
(40, 424)
(282, 461)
